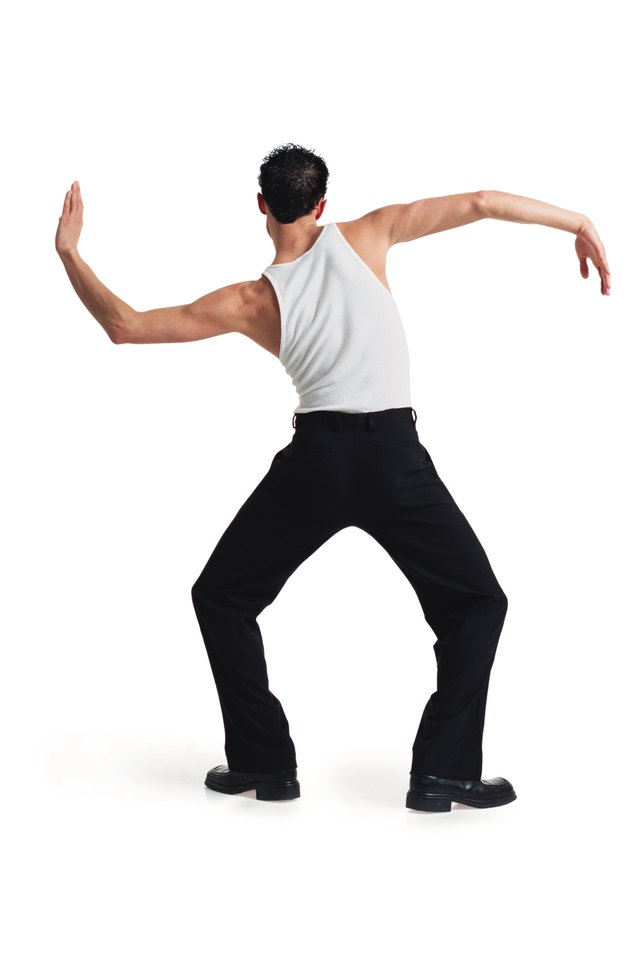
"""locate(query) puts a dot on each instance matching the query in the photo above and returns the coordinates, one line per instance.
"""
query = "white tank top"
(342, 340)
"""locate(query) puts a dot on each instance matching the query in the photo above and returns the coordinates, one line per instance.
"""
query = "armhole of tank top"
(361, 261)
(282, 320)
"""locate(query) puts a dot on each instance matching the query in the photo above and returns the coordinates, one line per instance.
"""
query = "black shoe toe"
(428, 792)
(281, 785)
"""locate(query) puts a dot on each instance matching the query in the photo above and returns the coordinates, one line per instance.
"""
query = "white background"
(124, 465)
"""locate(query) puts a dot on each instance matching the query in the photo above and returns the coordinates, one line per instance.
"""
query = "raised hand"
(589, 244)
(70, 223)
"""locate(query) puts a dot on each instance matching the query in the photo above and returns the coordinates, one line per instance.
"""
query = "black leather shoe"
(282, 785)
(435, 793)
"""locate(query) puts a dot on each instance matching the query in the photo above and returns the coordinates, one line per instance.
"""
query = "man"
(324, 308)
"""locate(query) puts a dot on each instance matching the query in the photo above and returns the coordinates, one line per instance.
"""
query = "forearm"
(497, 205)
(111, 313)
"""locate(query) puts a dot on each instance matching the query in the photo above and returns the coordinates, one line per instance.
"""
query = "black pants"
(367, 470)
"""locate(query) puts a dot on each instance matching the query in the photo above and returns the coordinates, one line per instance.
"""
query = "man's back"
(342, 341)
(367, 240)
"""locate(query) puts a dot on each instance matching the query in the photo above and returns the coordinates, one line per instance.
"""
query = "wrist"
(67, 253)
(584, 223)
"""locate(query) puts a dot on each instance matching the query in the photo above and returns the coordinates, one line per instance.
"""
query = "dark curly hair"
(292, 181)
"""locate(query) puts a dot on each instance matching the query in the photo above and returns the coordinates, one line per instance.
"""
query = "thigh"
(413, 515)
(283, 521)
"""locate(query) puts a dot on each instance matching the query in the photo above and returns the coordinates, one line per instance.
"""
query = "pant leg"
(286, 518)
(412, 514)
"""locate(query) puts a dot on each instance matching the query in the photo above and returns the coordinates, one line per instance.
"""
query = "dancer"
(323, 307)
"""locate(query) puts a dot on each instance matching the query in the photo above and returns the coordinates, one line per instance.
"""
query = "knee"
(495, 604)
(198, 590)
(501, 602)
(208, 600)
(210, 590)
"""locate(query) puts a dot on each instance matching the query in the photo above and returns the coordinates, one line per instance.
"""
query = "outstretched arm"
(400, 222)
(222, 311)
(497, 205)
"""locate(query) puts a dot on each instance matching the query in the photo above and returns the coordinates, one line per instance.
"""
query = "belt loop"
(293, 420)
(371, 423)
(414, 414)
(337, 420)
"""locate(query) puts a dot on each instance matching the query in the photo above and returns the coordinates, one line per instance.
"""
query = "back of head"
(292, 180)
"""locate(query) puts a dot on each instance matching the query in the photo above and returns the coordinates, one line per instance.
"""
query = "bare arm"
(401, 222)
(508, 206)
(226, 310)
(222, 311)
(110, 311)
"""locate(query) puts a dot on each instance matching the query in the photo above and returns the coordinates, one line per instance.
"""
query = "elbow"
(483, 202)
(116, 335)
(120, 330)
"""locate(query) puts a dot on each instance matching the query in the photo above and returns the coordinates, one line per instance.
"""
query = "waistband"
(340, 420)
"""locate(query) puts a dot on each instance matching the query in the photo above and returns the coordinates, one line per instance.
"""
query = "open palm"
(70, 222)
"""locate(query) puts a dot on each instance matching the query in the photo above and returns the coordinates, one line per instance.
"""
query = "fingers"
(591, 247)
(72, 206)
(73, 201)
(603, 271)
(601, 262)
(605, 275)
(74, 196)
(605, 286)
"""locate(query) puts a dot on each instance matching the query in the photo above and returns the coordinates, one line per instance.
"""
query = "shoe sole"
(440, 804)
(277, 790)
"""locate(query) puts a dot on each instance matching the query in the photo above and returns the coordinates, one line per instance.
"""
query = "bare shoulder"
(371, 232)
(261, 316)
(369, 237)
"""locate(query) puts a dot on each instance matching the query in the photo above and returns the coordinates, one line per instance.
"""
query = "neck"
(291, 240)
